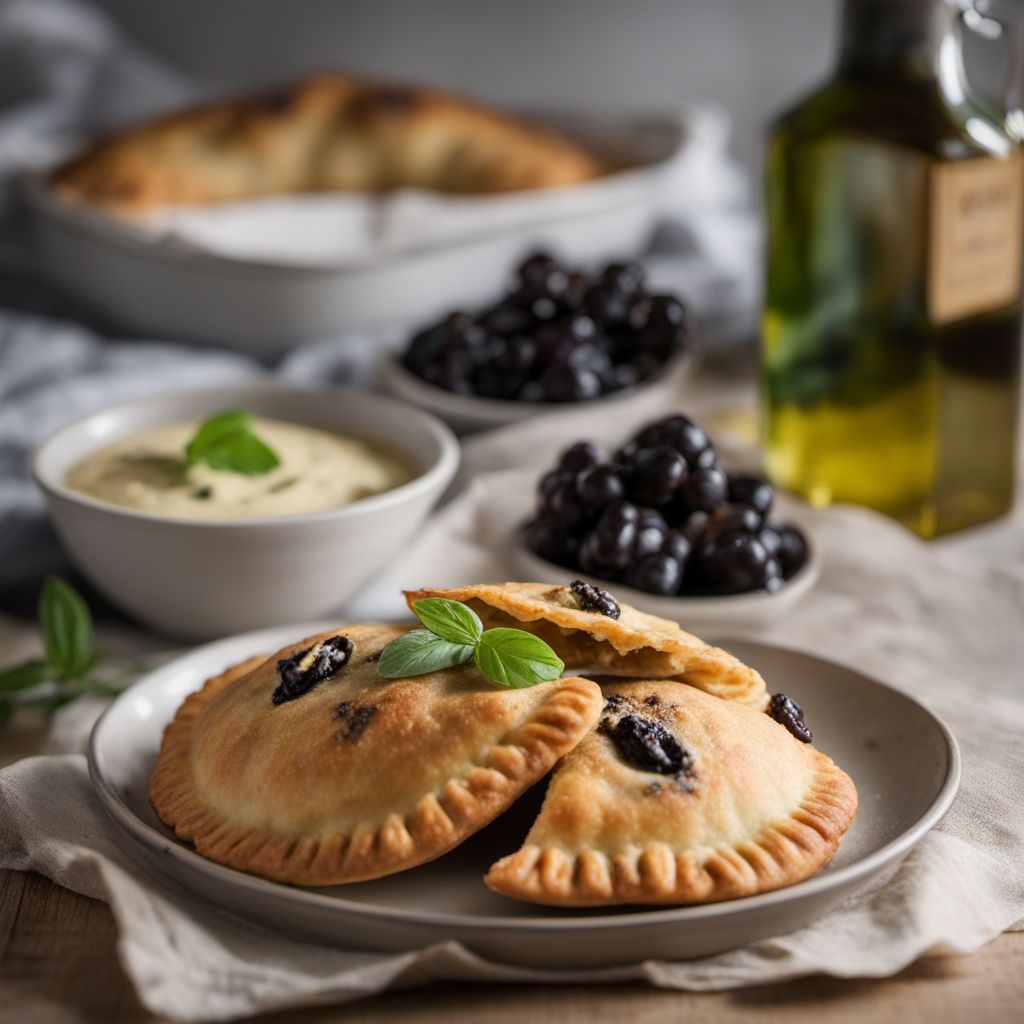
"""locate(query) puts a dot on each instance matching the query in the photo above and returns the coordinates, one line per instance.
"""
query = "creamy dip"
(318, 471)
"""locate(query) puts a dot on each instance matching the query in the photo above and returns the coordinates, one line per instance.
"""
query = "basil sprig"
(508, 657)
(226, 442)
(68, 669)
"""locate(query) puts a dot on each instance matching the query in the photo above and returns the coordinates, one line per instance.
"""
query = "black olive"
(787, 712)
(325, 659)
(655, 574)
(594, 599)
(648, 745)
(654, 474)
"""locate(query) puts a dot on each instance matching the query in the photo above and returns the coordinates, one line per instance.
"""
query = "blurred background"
(317, 288)
(750, 57)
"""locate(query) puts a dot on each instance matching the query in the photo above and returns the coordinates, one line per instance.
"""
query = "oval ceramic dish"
(266, 305)
(468, 413)
(903, 760)
(703, 613)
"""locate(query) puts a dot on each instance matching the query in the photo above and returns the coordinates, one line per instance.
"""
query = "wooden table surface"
(58, 965)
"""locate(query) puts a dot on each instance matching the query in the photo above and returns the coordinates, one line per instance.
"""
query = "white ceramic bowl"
(210, 578)
(466, 414)
(721, 613)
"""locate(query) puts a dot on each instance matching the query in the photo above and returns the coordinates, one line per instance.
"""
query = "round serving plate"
(903, 760)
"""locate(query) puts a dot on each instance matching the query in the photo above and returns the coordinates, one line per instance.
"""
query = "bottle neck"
(894, 40)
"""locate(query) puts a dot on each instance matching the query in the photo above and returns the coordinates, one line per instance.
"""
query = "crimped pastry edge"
(438, 823)
(786, 852)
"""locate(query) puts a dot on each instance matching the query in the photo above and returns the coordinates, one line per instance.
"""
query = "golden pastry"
(679, 797)
(329, 133)
(308, 767)
(593, 633)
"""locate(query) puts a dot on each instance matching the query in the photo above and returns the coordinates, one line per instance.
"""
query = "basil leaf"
(243, 453)
(67, 628)
(214, 431)
(515, 658)
(25, 675)
(451, 620)
(419, 652)
(225, 442)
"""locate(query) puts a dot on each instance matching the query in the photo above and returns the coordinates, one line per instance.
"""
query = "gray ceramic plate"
(902, 758)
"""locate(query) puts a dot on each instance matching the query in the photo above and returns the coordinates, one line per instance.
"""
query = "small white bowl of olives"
(673, 533)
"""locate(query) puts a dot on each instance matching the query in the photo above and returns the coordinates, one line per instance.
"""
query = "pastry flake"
(633, 644)
(679, 797)
(356, 776)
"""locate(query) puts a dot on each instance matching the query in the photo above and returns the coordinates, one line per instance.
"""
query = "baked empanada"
(329, 132)
(634, 644)
(679, 797)
(308, 767)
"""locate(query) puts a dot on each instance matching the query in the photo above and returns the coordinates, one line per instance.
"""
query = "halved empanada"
(356, 776)
(679, 797)
(635, 644)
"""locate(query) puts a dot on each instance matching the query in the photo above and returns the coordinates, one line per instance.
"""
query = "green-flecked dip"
(316, 471)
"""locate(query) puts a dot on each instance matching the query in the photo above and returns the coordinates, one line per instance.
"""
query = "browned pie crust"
(636, 644)
(759, 810)
(330, 132)
(319, 790)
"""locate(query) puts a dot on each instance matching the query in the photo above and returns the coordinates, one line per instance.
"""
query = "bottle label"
(976, 241)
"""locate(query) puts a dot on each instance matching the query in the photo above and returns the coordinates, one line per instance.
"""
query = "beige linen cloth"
(946, 625)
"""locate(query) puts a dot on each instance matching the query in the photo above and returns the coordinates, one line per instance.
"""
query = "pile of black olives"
(664, 517)
(559, 335)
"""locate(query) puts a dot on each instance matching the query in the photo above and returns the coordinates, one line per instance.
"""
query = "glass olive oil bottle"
(893, 305)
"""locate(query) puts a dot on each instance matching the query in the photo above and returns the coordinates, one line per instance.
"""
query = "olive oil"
(891, 334)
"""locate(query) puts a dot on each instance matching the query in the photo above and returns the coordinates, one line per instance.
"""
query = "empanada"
(330, 132)
(679, 797)
(635, 644)
(355, 776)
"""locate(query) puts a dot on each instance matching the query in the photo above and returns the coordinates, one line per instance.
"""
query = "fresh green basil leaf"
(418, 652)
(451, 620)
(515, 658)
(215, 431)
(243, 453)
(25, 675)
(226, 442)
(67, 628)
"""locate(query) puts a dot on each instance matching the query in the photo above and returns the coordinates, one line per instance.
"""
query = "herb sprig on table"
(453, 634)
(69, 667)
(226, 442)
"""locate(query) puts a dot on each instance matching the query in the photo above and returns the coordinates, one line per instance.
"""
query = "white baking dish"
(158, 286)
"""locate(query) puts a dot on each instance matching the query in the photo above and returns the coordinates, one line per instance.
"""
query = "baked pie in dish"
(593, 633)
(331, 132)
(372, 749)
(679, 797)
(308, 767)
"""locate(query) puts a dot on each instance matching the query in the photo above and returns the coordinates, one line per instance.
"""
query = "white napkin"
(944, 626)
